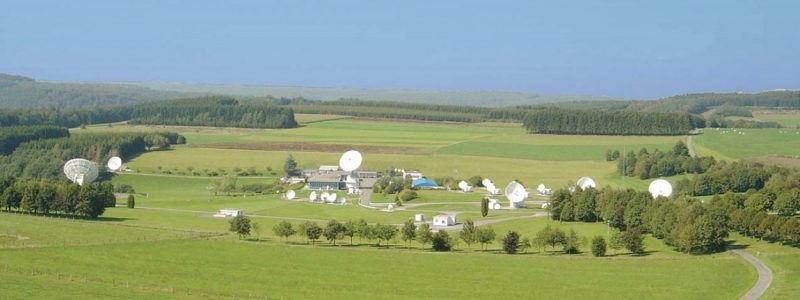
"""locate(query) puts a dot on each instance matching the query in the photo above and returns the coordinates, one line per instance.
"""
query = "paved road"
(764, 276)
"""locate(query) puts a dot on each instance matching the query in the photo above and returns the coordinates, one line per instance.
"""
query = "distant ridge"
(475, 98)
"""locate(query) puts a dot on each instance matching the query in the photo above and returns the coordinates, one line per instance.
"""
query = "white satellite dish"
(464, 186)
(290, 195)
(585, 183)
(332, 197)
(324, 196)
(313, 196)
(540, 188)
(80, 171)
(487, 182)
(660, 188)
(516, 194)
(350, 161)
(114, 164)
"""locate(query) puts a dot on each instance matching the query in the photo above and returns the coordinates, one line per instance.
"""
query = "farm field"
(743, 143)
(172, 230)
(787, 118)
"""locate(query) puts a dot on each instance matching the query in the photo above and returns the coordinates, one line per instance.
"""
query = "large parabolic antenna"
(80, 171)
(516, 194)
(290, 195)
(313, 196)
(114, 164)
(585, 183)
(660, 188)
(350, 161)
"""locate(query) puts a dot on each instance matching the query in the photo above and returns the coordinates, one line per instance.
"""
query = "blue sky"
(630, 49)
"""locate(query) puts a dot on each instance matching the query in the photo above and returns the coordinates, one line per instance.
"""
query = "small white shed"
(444, 220)
(229, 212)
(419, 218)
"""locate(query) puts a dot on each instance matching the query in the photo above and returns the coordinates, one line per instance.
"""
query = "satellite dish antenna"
(290, 195)
(660, 188)
(332, 197)
(585, 183)
(313, 196)
(487, 182)
(516, 194)
(540, 188)
(464, 186)
(80, 171)
(114, 164)
(324, 197)
(350, 161)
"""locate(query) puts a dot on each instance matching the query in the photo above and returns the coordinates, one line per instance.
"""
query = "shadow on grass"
(110, 219)
(731, 244)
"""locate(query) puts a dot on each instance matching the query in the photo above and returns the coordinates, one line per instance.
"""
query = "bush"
(407, 195)
(441, 241)
(240, 225)
(131, 203)
(598, 246)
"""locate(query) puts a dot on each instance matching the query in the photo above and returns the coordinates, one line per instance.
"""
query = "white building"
(419, 218)
(415, 175)
(444, 220)
(229, 212)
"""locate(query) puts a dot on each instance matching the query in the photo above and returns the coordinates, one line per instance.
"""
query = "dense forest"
(24, 92)
(66, 117)
(55, 198)
(11, 137)
(646, 165)
(214, 111)
(564, 121)
(44, 158)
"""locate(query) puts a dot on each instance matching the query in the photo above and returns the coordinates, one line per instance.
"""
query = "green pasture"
(782, 260)
(743, 143)
(787, 118)
(272, 270)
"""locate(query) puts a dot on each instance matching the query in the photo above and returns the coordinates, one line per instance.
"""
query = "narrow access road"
(764, 276)
(690, 142)
(491, 221)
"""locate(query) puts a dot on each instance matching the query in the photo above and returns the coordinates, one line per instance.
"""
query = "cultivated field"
(742, 143)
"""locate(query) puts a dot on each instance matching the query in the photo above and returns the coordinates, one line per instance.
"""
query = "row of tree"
(55, 198)
(65, 118)
(723, 177)
(646, 165)
(213, 111)
(11, 137)
(563, 121)
(684, 223)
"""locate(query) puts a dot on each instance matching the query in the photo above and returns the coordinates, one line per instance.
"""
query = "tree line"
(213, 111)
(64, 117)
(563, 121)
(646, 165)
(11, 137)
(44, 158)
(684, 223)
(55, 198)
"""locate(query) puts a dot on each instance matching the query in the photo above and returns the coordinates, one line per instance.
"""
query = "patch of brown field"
(314, 147)
(780, 161)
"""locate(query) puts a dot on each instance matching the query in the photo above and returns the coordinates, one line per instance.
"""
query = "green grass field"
(170, 246)
(787, 118)
(233, 269)
(742, 143)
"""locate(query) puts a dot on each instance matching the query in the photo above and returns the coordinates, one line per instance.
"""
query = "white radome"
(114, 164)
(80, 171)
(487, 182)
(516, 194)
(586, 182)
(290, 195)
(660, 188)
(350, 161)
(313, 196)
(464, 186)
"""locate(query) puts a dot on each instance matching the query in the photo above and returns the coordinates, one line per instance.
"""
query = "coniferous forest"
(565, 121)
(213, 111)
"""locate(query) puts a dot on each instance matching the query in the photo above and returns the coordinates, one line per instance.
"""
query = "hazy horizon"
(619, 49)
